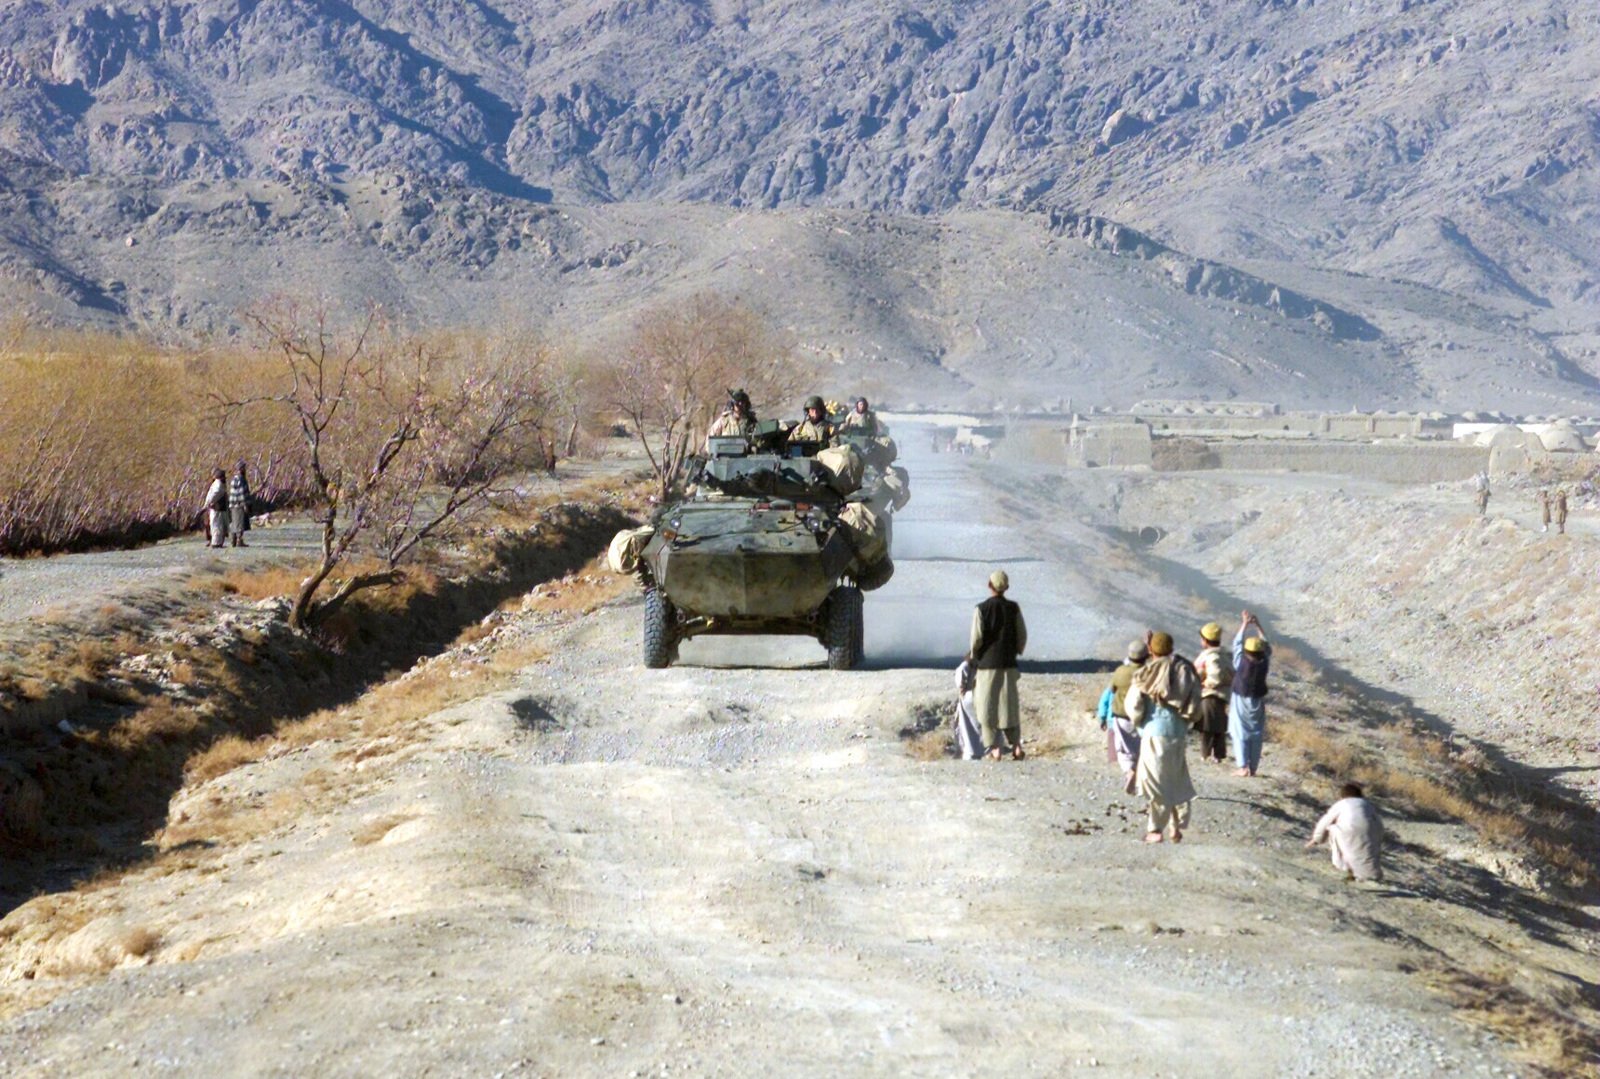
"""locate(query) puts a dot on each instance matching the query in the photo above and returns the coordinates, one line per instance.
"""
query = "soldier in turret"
(815, 427)
(738, 420)
(863, 419)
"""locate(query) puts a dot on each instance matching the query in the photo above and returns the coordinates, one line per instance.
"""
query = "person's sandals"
(1016, 752)
(1154, 837)
(1177, 836)
(993, 754)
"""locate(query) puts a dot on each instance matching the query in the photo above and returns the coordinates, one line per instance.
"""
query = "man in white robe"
(1354, 832)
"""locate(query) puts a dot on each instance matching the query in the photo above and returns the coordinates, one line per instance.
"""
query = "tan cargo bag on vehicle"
(626, 547)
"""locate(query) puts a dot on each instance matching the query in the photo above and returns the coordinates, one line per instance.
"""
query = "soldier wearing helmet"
(738, 420)
(862, 418)
(815, 427)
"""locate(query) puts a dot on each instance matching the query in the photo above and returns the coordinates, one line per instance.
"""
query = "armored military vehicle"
(771, 539)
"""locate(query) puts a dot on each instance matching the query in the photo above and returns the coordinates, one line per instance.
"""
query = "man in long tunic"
(1354, 832)
(1561, 510)
(998, 637)
(1162, 701)
(1216, 682)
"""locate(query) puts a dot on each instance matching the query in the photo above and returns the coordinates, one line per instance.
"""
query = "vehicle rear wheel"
(842, 628)
(660, 630)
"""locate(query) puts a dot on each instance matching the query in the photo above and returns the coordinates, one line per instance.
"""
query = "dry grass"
(935, 745)
(110, 440)
(1549, 1038)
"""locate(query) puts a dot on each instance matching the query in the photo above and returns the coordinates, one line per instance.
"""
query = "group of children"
(1221, 696)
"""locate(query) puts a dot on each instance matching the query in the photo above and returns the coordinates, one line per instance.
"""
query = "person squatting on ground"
(999, 636)
(238, 507)
(215, 509)
(969, 738)
(1162, 701)
(1216, 682)
(1120, 731)
(1354, 832)
(1247, 709)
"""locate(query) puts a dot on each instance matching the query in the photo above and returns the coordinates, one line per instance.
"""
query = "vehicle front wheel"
(660, 630)
(842, 628)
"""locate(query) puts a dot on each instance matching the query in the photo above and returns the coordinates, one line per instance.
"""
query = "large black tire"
(842, 628)
(660, 630)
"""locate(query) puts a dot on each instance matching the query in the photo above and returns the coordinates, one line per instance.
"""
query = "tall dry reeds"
(110, 440)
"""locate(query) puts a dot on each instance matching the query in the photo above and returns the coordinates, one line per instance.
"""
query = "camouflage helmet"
(815, 401)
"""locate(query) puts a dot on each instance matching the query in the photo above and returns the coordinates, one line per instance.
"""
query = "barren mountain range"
(1376, 202)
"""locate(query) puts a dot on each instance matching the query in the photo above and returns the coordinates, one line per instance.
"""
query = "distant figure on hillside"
(1561, 510)
(238, 507)
(1354, 832)
(1162, 701)
(1544, 508)
(1216, 684)
(1124, 735)
(999, 636)
(969, 738)
(215, 509)
(1480, 484)
(1247, 707)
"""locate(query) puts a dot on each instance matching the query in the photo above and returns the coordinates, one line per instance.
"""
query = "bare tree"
(674, 371)
(402, 436)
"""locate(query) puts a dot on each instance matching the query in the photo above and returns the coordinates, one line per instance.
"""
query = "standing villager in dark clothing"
(1216, 684)
(1561, 510)
(999, 636)
(238, 507)
(1247, 709)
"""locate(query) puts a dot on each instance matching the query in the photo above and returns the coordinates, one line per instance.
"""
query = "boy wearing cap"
(1216, 682)
(1124, 735)
(1247, 709)
(998, 637)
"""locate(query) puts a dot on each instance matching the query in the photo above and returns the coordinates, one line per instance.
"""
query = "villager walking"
(999, 636)
(1544, 508)
(1162, 701)
(1561, 510)
(1480, 484)
(215, 509)
(1123, 734)
(969, 738)
(238, 507)
(1216, 685)
(1354, 832)
(1247, 707)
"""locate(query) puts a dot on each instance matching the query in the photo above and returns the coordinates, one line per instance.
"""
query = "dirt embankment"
(109, 713)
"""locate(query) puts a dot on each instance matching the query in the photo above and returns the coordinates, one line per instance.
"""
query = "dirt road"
(729, 868)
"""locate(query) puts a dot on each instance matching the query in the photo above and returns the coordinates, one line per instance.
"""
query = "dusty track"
(727, 868)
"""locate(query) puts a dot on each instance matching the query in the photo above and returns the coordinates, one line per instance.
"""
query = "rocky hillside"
(1314, 201)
